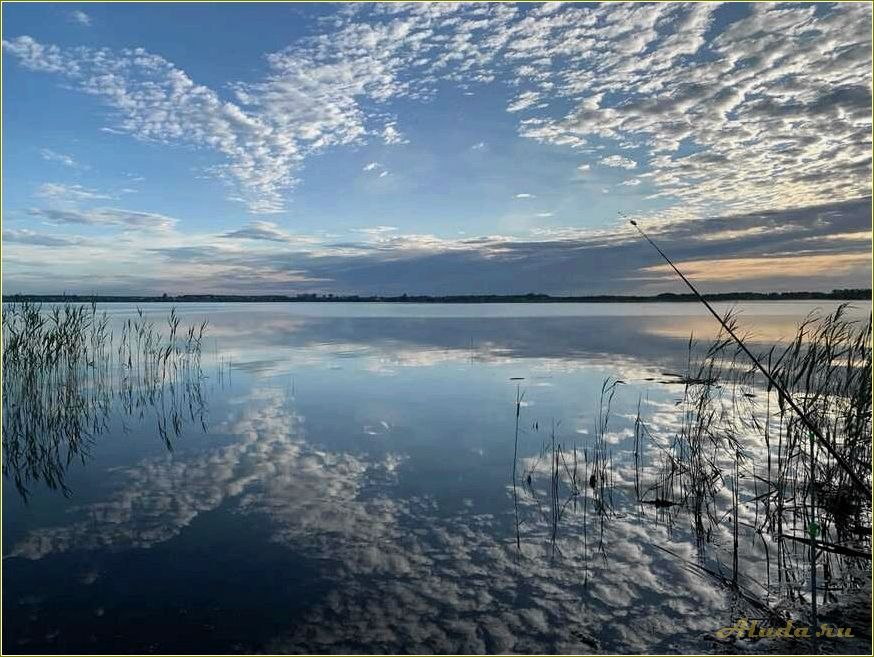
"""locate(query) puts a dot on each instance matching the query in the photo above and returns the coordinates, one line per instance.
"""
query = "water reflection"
(404, 579)
(67, 377)
(354, 494)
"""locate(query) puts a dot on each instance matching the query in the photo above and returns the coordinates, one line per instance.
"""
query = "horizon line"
(838, 294)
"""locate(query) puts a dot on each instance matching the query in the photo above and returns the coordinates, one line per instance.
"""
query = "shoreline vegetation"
(855, 294)
(66, 370)
(742, 469)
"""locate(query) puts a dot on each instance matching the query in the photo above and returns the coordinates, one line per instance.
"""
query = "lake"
(341, 478)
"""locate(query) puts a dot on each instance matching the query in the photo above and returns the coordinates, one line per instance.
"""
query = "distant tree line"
(849, 294)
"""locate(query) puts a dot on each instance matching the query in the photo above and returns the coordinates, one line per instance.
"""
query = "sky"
(435, 148)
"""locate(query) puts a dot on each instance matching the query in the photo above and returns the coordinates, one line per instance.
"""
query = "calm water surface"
(341, 481)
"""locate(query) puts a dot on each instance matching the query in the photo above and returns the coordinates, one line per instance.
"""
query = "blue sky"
(431, 148)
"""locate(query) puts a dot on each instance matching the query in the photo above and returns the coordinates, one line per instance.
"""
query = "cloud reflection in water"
(405, 568)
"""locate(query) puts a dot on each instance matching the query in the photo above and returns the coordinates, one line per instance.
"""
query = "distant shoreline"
(834, 295)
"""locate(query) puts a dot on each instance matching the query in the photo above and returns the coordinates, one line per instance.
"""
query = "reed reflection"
(68, 371)
(750, 501)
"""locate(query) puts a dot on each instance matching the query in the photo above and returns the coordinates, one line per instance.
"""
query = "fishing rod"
(780, 389)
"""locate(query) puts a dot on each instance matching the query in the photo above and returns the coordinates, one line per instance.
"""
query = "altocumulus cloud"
(766, 111)
(619, 162)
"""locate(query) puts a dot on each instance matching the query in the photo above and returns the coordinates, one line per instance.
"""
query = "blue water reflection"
(349, 490)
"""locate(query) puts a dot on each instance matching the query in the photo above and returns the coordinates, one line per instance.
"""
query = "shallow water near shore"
(340, 479)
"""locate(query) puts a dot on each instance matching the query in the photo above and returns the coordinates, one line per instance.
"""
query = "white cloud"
(524, 101)
(155, 101)
(525, 195)
(130, 219)
(391, 135)
(631, 182)
(80, 17)
(376, 231)
(376, 167)
(259, 230)
(618, 161)
(584, 167)
(65, 192)
(26, 236)
(53, 156)
(38, 57)
(560, 259)
(777, 114)
(480, 145)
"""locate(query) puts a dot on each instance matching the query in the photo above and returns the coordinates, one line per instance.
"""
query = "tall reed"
(65, 368)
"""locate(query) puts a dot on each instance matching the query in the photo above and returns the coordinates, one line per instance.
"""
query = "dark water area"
(339, 478)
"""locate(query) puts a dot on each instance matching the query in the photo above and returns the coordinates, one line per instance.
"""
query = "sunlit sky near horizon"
(434, 147)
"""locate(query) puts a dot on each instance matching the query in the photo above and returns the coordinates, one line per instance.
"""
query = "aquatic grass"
(774, 381)
(805, 503)
(824, 378)
(570, 483)
(519, 397)
(64, 371)
(739, 465)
